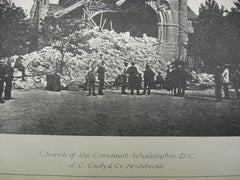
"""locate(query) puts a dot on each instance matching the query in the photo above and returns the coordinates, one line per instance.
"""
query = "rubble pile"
(91, 48)
(202, 80)
(37, 65)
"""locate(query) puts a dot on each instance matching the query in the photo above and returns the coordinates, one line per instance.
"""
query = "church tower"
(39, 9)
(43, 8)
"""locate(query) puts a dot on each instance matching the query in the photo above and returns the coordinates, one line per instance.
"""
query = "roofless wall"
(163, 19)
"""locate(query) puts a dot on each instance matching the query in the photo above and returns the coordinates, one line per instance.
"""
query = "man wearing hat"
(159, 80)
(132, 77)
(18, 64)
(101, 74)
(8, 71)
(226, 81)
(91, 81)
(124, 78)
(1, 81)
(218, 83)
(148, 79)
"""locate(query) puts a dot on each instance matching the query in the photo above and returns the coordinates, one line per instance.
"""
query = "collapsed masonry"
(168, 20)
(115, 48)
(168, 40)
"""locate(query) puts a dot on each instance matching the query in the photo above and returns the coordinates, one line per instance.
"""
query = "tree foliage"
(13, 29)
(216, 39)
(57, 32)
(232, 32)
(205, 44)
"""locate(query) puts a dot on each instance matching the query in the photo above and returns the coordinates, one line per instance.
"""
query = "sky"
(193, 4)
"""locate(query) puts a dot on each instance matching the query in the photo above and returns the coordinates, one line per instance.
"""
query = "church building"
(168, 20)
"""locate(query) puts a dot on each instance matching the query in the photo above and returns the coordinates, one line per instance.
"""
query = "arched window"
(162, 8)
(45, 1)
(167, 27)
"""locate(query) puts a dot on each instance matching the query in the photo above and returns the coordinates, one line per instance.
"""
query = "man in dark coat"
(101, 75)
(132, 80)
(169, 79)
(218, 83)
(236, 80)
(91, 81)
(19, 65)
(2, 75)
(8, 71)
(159, 80)
(139, 83)
(124, 78)
(148, 79)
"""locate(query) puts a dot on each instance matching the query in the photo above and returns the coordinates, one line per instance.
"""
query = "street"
(160, 114)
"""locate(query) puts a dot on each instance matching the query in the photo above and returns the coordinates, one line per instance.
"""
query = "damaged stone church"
(168, 20)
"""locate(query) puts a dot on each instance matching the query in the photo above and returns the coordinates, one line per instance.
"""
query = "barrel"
(53, 82)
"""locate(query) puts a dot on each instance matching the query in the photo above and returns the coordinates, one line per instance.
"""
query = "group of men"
(91, 79)
(176, 78)
(135, 79)
(130, 78)
(6, 77)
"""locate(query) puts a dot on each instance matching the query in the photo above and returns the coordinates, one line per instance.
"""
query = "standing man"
(183, 80)
(139, 83)
(169, 79)
(8, 71)
(218, 83)
(101, 74)
(91, 81)
(1, 81)
(132, 77)
(226, 81)
(19, 65)
(236, 81)
(148, 79)
(159, 80)
(124, 78)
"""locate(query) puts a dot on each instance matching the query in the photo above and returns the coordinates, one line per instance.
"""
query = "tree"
(232, 39)
(206, 43)
(13, 29)
(57, 32)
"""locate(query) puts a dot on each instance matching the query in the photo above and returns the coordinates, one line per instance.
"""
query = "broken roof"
(54, 7)
(191, 14)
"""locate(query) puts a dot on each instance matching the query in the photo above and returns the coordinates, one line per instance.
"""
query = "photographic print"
(120, 67)
(119, 89)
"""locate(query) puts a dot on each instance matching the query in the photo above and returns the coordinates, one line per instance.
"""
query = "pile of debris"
(91, 49)
(201, 81)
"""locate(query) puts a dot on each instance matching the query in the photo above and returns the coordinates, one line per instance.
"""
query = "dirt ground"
(160, 114)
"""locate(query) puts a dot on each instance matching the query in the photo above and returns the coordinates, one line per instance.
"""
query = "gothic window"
(167, 27)
(162, 8)
(45, 2)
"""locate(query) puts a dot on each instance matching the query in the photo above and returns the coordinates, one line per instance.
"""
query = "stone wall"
(169, 48)
(175, 46)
